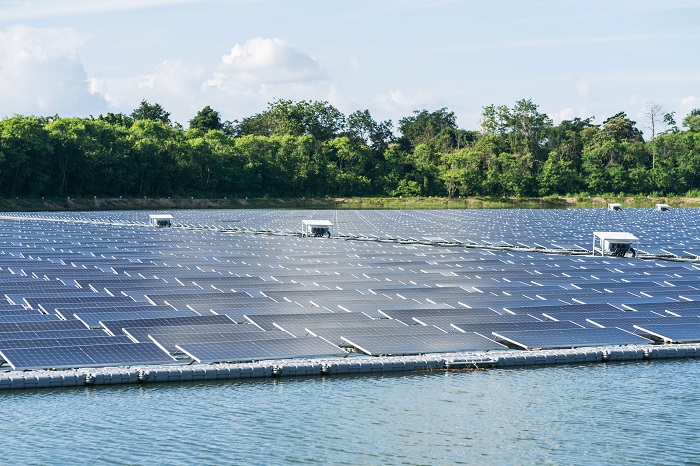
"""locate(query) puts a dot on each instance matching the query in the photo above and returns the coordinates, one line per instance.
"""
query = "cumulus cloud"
(41, 74)
(263, 62)
(169, 81)
(396, 101)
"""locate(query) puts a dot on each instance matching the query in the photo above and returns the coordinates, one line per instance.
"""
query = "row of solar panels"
(660, 232)
(217, 338)
(446, 280)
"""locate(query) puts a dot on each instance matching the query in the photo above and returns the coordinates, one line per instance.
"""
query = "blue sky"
(573, 58)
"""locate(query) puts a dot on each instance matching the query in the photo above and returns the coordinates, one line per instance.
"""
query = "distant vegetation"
(310, 149)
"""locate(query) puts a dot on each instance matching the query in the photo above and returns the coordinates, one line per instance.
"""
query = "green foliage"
(296, 149)
(153, 112)
(207, 119)
(437, 129)
(406, 188)
(692, 121)
(284, 117)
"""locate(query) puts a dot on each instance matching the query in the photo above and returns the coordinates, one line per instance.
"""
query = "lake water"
(626, 413)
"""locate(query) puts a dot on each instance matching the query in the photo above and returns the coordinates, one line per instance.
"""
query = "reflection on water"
(593, 414)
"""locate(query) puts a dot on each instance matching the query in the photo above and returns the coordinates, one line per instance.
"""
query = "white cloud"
(354, 63)
(563, 114)
(689, 103)
(41, 74)
(264, 62)
(252, 75)
(169, 81)
(396, 101)
(568, 113)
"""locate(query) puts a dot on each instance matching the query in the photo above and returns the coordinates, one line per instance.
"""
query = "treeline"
(295, 149)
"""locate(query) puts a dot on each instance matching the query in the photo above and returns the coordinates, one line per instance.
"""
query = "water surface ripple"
(619, 414)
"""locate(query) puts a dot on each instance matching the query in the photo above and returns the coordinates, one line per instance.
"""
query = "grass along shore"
(157, 203)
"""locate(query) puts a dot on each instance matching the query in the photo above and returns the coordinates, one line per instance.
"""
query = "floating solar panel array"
(103, 288)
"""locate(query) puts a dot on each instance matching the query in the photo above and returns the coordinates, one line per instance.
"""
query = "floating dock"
(15, 380)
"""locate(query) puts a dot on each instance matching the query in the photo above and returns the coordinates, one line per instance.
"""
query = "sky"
(572, 58)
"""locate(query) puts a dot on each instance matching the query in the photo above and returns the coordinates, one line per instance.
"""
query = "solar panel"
(335, 334)
(47, 325)
(628, 323)
(258, 350)
(406, 315)
(583, 318)
(28, 318)
(239, 314)
(115, 326)
(19, 312)
(682, 313)
(140, 334)
(486, 329)
(467, 319)
(94, 319)
(662, 308)
(298, 328)
(568, 338)
(65, 357)
(49, 303)
(40, 334)
(67, 312)
(410, 344)
(169, 342)
(574, 308)
(267, 321)
(445, 321)
(55, 342)
(671, 333)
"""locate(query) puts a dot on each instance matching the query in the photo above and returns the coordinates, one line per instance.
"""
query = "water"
(631, 413)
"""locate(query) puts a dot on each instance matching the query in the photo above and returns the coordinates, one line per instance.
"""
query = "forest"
(311, 149)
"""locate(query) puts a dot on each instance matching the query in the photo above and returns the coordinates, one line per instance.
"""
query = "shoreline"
(329, 203)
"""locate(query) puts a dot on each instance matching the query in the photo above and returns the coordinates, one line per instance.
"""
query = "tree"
(207, 119)
(117, 119)
(25, 156)
(284, 117)
(362, 128)
(462, 172)
(69, 138)
(670, 121)
(692, 120)
(653, 114)
(523, 128)
(614, 158)
(152, 158)
(153, 112)
(438, 129)
(528, 129)
(558, 176)
(621, 128)
(668, 149)
(495, 120)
